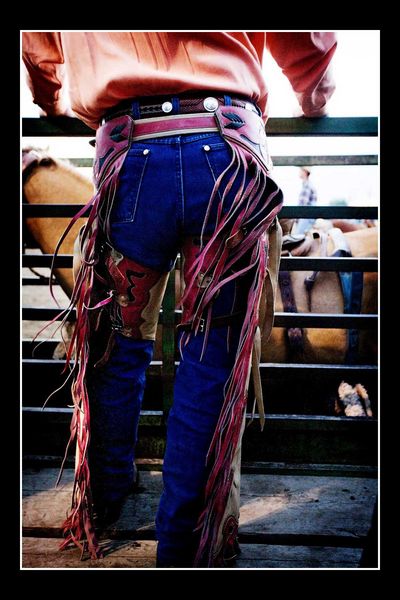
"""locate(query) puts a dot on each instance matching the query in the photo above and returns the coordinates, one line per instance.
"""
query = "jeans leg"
(116, 394)
(198, 399)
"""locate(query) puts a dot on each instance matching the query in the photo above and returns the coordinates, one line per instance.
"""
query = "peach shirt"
(103, 68)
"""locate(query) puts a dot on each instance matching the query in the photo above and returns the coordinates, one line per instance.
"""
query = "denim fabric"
(163, 194)
(116, 394)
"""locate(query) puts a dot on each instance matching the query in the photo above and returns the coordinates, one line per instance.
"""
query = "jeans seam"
(139, 188)
(212, 172)
(181, 193)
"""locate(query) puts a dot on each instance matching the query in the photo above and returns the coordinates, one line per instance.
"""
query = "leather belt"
(160, 107)
(173, 125)
(222, 321)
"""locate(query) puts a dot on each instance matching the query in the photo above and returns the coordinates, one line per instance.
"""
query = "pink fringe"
(78, 527)
(216, 259)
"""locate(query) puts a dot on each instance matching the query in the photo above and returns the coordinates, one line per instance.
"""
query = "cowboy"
(181, 165)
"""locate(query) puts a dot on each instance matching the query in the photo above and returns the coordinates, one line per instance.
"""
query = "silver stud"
(146, 151)
(210, 104)
(207, 148)
(167, 107)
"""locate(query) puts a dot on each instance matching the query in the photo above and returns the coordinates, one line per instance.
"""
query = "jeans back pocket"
(218, 157)
(129, 185)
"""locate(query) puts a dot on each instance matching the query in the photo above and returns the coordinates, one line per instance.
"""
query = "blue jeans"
(164, 188)
(304, 225)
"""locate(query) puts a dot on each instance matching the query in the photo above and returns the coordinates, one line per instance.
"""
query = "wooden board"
(270, 504)
(39, 553)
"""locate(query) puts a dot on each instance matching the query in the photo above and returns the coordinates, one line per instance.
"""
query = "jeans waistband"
(161, 106)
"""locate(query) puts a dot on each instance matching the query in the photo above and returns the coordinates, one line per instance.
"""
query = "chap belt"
(160, 106)
(173, 125)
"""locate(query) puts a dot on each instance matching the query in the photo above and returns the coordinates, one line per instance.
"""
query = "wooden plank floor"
(287, 521)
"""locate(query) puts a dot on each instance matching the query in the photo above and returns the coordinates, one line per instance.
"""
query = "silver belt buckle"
(210, 104)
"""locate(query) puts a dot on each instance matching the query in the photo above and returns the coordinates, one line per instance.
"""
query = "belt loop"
(227, 100)
(135, 107)
(175, 105)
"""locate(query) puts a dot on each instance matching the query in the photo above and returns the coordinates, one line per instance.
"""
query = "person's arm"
(304, 58)
(43, 57)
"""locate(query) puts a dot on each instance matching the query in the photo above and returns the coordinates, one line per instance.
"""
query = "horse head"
(33, 157)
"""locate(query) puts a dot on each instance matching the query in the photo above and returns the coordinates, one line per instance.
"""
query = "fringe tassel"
(216, 259)
(78, 528)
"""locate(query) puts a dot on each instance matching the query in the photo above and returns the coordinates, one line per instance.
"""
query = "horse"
(50, 180)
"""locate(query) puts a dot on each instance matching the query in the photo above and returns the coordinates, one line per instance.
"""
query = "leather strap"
(295, 334)
(352, 287)
(267, 304)
(309, 281)
(256, 377)
(222, 321)
(152, 107)
(173, 125)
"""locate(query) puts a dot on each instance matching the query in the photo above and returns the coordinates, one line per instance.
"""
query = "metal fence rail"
(292, 263)
(288, 212)
(325, 126)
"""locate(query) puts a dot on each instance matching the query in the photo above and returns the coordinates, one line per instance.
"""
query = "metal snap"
(122, 300)
(166, 107)
(207, 148)
(146, 151)
(210, 104)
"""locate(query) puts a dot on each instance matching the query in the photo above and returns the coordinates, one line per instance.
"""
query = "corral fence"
(300, 426)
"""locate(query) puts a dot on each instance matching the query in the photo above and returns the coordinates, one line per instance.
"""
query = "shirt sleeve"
(43, 57)
(304, 58)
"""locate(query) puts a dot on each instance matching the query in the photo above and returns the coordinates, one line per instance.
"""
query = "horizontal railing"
(300, 126)
(288, 212)
(292, 263)
(285, 161)
(349, 440)
(281, 319)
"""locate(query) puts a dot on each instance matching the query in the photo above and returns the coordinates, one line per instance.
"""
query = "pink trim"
(170, 124)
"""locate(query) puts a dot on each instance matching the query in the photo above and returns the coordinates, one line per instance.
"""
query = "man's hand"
(67, 112)
(297, 112)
